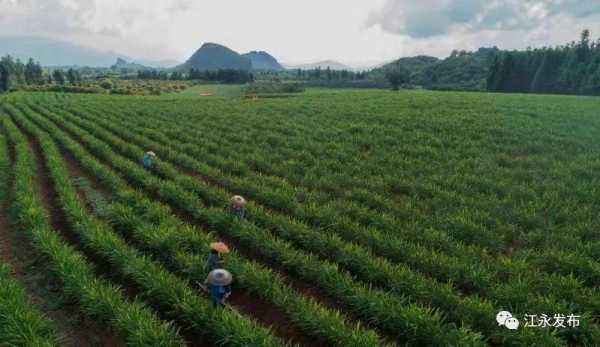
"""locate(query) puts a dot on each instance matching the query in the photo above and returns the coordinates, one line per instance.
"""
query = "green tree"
(397, 76)
(58, 76)
(72, 76)
(33, 73)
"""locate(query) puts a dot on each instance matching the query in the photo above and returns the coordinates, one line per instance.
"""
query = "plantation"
(375, 218)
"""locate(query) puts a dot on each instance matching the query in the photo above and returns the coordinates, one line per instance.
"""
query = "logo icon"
(505, 318)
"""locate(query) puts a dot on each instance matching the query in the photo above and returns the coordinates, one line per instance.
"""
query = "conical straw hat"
(219, 247)
(238, 200)
(220, 277)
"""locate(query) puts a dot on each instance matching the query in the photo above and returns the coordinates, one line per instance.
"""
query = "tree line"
(220, 75)
(569, 69)
(14, 74)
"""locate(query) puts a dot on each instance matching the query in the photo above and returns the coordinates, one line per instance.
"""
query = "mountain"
(50, 52)
(263, 61)
(212, 56)
(332, 64)
(123, 64)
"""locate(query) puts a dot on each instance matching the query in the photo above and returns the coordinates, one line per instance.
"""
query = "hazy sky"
(350, 31)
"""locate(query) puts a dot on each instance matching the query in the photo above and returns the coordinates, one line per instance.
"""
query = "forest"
(569, 69)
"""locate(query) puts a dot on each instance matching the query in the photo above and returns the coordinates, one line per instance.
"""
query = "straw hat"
(220, 277)
(219, 247)
(238, 200)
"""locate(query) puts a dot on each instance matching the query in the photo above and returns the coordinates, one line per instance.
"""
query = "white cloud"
(302, 30)
(422, 19)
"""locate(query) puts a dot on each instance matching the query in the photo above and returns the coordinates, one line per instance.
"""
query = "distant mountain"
(263, 61)
(123, 64)
(332, 64)
(157, 63)
(50, 52)
(212, 56)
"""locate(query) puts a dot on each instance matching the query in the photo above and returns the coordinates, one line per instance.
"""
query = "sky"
(294, 31)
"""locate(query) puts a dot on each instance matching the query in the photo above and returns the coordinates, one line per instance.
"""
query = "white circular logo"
(502, 316)
(512, 323)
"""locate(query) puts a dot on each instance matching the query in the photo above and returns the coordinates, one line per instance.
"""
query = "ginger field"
(375, 218)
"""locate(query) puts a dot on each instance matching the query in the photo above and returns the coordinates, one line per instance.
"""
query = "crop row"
(485, 276)
(363, 265)
(156, 284)
(471, 307)
(554, 260)
(283, 197)
(97, 298)
(178, 245)
(541, 238)
(393, 314)
(21, 323)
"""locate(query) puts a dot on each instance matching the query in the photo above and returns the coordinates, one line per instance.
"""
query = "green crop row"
(157, 285)
(472, 308)
(400, 280)
(97, 298)
(326, 217)
(554, 259)
(393, 314)
(21, 324)
(456, 225)
(485, 276)
(171, 240)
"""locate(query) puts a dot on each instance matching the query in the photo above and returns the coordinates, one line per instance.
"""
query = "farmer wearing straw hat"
(238, 206)
(215, 261)
(219, 286)
(148, 160)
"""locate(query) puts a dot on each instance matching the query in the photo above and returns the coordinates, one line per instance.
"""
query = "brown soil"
(76, 171)
(130, 288)
(303, 288)
(263, 312)
(6, 246)
(86, 332)
(271, 316)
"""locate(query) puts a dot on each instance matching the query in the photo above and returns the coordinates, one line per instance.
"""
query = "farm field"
(375, 218)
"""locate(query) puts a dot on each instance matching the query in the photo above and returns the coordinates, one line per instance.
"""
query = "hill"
(460, 71)
(50, 52)
(212, 56)
(416, 65)
(262, 60)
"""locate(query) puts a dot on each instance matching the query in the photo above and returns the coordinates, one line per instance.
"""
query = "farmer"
(148, 160)
(238, 208)
(215, 260)
(219, 286)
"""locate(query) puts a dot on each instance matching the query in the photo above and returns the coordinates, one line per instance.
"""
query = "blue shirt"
(147, 161)
(218, 292)
(238, 211)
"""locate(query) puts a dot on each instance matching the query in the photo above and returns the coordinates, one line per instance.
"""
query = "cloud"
(422, 19)
(54, 16)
